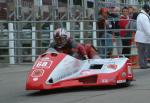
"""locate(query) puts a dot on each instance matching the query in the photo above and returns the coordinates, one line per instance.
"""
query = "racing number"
(42, 64)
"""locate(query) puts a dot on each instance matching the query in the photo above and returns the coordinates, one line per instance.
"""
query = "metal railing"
(22, 45)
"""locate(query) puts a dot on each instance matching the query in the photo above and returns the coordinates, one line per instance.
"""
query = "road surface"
(12, 90)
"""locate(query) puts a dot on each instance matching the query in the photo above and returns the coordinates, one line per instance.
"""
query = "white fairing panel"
(70, 67)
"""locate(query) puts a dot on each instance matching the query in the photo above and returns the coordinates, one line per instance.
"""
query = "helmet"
(61, 37)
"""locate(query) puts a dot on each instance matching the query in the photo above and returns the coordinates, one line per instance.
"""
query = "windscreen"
(51, 50)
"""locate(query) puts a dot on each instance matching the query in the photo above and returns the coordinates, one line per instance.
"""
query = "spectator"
(142, 36)
(114, 21)
(115, 17)
(131, 10)
(123, 23)
(132, 24)
(105, 36)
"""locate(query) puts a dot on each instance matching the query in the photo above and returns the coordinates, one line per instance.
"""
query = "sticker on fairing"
(45, 64)
(121, 81)
(112, 66)
(87, 72)
(37, 73)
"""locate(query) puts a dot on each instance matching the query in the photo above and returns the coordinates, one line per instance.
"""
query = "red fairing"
(57, 70)
(46, 65)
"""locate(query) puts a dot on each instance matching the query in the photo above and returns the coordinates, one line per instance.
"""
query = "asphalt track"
(12, 90)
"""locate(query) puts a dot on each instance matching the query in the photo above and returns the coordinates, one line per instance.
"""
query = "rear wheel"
(127, 83)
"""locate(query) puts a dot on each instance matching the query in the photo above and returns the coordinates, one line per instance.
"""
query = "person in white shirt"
(142, 36)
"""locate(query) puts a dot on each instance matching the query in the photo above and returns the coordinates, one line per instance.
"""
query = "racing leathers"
(77, 50)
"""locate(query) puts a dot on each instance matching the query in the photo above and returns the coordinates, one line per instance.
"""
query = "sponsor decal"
(108, 80)
(121, 81)
(37, 73)
(129, 70)
(123, 74)
(87, 72)
(35, 79)
(104, 80)
(112, 66)
(46, 58)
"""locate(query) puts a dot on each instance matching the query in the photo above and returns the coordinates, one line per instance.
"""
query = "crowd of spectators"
(113, 24)
(125, 25)
(118, 23)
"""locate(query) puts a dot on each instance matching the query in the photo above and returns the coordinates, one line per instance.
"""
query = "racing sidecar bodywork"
(57, 70)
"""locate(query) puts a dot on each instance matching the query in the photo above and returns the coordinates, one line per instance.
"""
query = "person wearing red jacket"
(65, 44)
(123, 23)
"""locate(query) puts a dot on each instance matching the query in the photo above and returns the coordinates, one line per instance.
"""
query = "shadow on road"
(76, 89)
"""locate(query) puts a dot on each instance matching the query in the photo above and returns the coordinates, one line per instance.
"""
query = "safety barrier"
(22, 45)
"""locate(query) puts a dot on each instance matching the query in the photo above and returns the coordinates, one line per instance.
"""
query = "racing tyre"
(126, 84)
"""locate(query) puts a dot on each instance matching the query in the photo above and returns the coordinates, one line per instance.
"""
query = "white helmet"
(61, 37)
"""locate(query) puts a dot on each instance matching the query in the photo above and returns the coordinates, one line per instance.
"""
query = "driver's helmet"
(61, 37)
